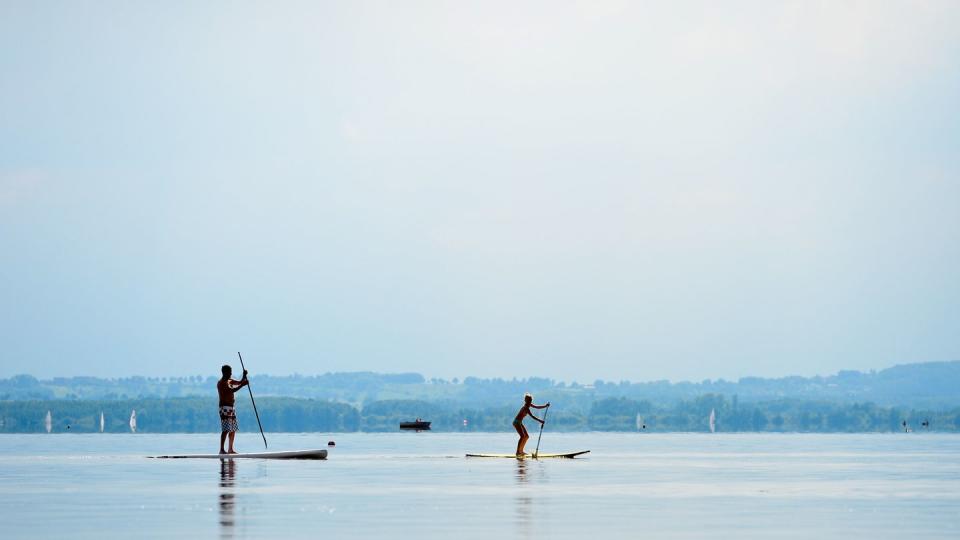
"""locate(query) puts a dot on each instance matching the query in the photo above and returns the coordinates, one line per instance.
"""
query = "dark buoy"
(331, 443)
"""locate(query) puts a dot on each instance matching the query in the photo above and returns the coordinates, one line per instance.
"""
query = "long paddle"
(537, 451)
(258, 414)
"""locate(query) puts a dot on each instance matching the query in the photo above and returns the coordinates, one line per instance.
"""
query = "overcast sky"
(616, 190)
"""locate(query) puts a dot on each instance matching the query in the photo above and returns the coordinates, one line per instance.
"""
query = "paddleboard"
(295, 454)
(569, 455)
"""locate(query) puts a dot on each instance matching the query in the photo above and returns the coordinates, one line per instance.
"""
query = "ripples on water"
(420, 485)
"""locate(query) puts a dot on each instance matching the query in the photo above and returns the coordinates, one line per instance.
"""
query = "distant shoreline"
(295, 415)
(927, 385)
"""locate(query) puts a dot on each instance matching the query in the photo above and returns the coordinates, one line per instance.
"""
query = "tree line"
(199, 415)
(930, 385)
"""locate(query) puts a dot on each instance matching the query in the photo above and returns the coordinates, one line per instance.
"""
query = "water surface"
(420, 485)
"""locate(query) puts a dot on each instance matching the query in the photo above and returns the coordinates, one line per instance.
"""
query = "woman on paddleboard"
(518, 421)
(226, 387)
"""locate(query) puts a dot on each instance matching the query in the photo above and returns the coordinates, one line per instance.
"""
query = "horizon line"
(428, 380)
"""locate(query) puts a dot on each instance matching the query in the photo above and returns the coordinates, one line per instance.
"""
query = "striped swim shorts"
(229, 425)
(228, 419)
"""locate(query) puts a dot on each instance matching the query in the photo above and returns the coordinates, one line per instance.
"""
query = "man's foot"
(232, 452)
(222, 451)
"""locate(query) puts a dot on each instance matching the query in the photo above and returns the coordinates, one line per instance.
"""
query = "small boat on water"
(417, 424)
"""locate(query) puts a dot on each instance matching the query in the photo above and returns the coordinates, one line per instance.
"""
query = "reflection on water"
(228, 475)
(532, 480)
(522, 471)
(523, 503)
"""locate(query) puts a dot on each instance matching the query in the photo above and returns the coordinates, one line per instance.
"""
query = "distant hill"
(930, 385)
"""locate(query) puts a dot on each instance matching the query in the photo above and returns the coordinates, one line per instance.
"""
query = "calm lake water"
(420, 485)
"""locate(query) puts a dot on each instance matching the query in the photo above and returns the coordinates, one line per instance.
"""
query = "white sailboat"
(640, 425)
(133, 421)
(48, 422)
(713, 420)
(101, 422)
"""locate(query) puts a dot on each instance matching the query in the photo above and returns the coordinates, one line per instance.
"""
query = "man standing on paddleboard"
(226, 387)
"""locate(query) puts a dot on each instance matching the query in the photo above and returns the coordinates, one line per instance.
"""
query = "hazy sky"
(616, 190)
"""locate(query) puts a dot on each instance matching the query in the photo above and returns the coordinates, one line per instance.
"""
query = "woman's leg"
(520, 430)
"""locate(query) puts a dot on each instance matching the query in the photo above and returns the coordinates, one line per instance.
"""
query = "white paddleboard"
(294, 454)
(569, 455)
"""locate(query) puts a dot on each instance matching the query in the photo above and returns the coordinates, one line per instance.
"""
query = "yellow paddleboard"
(569, 455)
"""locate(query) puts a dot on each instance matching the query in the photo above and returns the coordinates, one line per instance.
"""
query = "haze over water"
(578, 190)
(421, 486)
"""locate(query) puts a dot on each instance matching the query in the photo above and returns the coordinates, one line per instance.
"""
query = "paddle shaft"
(255, 404)
(545, 411)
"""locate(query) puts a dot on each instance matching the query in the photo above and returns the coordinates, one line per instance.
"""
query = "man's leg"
(232, 435)
(223, 438)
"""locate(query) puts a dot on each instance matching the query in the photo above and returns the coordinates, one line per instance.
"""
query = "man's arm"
(540, 406)
(235, 386)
